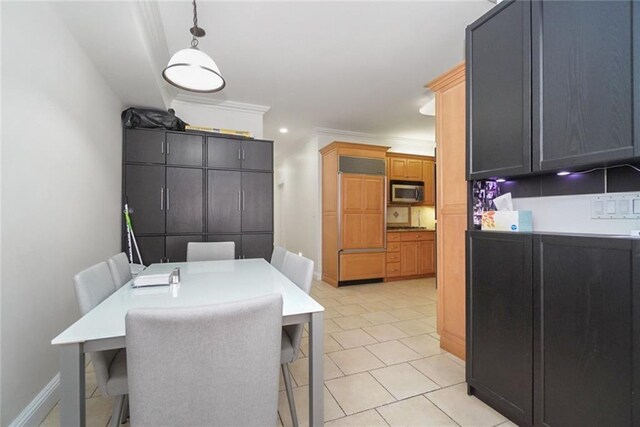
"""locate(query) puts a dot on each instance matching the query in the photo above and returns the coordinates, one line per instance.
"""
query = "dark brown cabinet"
(500, 322)
(499, 92)
(176, 197)
(552, 85)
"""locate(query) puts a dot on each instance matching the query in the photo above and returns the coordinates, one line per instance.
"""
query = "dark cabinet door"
(500, 322)
(583, 82)
(585, 332)
(257, 201)
(257, 155)
(235, 238)
(257, 246)
(151, 249)
(224, 201)
(144, 146)
(224, 153)
(184, 200)
(184, 149)
(499, 92)
(145, 194)
(177, 247)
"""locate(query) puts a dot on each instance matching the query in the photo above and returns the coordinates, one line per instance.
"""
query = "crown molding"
(337, 133)
(222, 104)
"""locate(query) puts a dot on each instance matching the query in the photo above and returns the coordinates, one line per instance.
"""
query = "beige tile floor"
(383, 364)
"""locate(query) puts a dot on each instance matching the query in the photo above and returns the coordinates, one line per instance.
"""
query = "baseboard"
(37, 410)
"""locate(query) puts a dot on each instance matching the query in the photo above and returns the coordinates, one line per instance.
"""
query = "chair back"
(120, 269)
(210, 251)
(209, 365)
(93, 286)
(277, 257)
(299, 270)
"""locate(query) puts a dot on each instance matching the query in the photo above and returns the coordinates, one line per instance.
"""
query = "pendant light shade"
(191, 69)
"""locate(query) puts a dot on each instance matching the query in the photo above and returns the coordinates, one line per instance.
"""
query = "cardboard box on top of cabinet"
(518, 221)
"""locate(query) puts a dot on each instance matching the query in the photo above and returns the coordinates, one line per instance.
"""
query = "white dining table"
(201, 283)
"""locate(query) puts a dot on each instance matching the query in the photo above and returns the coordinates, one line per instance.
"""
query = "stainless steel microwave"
(407, 191)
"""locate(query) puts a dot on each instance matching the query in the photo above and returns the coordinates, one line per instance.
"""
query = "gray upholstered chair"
(299, 270)
(277, 257)
(120, 269)
(210, 251)
(93, 286)
(208, 365)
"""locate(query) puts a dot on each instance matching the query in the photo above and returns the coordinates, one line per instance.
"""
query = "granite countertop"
(405, 229)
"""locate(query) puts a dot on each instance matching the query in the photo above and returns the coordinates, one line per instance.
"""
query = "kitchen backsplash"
(423, 216)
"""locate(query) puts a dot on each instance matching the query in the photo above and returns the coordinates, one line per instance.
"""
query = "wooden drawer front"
(368, 265)
(393, 257)
(417, 236)
(393, 269)
(393, 247)
(394, 237)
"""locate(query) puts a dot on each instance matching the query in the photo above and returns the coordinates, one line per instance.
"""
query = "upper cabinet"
(229, 153)
(409, 167)
(405, 169)
(550, 86)
(160, 147)
(499, 92)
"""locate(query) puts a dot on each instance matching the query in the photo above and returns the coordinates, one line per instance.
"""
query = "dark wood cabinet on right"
(551, 86)
(554, 327)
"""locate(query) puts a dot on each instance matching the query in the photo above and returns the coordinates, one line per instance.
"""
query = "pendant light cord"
(194, 40)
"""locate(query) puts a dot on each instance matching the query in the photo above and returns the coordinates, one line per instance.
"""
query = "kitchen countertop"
(405, 229)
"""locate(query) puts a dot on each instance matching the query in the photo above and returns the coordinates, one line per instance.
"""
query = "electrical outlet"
(616, 206)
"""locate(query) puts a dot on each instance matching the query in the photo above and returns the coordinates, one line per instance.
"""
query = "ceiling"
(356, 66)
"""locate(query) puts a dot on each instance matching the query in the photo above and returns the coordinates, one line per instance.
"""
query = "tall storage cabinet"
(191, 187)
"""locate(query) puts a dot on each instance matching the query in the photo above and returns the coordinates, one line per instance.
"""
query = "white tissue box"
(507, 221)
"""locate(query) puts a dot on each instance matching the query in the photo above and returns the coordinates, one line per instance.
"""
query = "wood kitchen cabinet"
(407, 169)
(363, 211)
(410, 255)
(429, 178)
(410, 167)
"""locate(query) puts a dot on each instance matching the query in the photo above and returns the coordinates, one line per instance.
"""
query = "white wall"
(61, 184)
(225, 115)
(298, 187)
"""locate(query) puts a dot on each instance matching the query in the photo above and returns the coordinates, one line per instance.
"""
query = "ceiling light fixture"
(191, 69)
(284, 130)
(563, 173)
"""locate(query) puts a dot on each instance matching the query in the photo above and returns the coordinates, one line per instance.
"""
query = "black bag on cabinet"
(151, 119)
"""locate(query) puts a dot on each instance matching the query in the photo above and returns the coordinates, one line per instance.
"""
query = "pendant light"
(191, 69)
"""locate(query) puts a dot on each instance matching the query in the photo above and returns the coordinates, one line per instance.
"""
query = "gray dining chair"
(208, 365)
(210, 251)
(120, 269)
(299, 270)
(277, 257)
(93, 286)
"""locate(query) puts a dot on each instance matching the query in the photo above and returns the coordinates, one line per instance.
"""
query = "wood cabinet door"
(359, 266)
(414, 170)
(257, 246)
(499, 89)
(427, 257)
(145, 193)
(257, 201)
(583, 82)
(184, 195)
(429, 178)
(224, 201)
(397, 168)
(409, 258)
(184, 149)
(500, 301)
(586, 331)
(257, 155)
(362, 211)
(144, 146)
(176, 247)
(224, 153)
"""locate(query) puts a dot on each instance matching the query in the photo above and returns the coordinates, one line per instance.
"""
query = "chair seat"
(287, 353)
(117, 382)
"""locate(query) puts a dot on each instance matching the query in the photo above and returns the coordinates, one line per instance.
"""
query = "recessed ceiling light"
(563, 173)
(284, 130)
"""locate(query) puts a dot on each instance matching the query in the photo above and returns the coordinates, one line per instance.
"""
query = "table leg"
(316, 369)
(72, 404)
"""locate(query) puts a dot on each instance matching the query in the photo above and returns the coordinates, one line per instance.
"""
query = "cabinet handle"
(168, 147)
(161, 147)
(243, 200)
(238, 154)
(161, 198)
(168, 201)
(243, 154)
(239, 201)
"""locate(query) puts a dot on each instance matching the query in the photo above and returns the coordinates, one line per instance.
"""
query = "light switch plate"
(616, 206)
